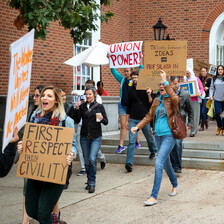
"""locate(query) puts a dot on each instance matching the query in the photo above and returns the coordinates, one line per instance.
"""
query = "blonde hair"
(58, 107)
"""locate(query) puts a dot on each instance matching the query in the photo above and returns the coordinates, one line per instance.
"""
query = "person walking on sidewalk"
(196, 100)
(139, 103)
(126, 83)
(41, 197)
(186, 112)
(161, 112)
(92, 115)
(206, 82)
(217, 94)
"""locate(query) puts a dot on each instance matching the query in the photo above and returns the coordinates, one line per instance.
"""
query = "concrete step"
(191, 153)
(197, 155)
(188, 145)
(194, 163)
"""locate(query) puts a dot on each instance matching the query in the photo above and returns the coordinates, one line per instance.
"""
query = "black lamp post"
(159, 30)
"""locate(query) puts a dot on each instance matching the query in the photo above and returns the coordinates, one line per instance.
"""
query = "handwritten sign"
(45, 148)
(211, 69)
(170, 56)
(19, 84)
(147, 81)
(190, 87)
(125, 55)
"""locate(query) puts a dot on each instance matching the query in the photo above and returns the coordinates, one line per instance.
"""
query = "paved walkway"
(119, 195)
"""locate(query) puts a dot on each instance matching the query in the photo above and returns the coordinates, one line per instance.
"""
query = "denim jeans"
(219, 108)
(165, 145)
(204, 111)
(176, 155)
(132, 139)
(90, 148)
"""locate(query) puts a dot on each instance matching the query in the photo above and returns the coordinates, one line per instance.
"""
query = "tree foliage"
(78, 16)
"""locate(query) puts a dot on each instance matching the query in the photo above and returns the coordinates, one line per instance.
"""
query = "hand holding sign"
(163, 76)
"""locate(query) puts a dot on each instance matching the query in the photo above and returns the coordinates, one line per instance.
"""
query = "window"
(220, 55)
(82, 73)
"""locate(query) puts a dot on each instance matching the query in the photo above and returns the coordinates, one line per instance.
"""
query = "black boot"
(206, 123)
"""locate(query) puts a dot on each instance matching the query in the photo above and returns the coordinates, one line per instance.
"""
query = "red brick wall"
(186, 20)
(49, 55)
(133, 20)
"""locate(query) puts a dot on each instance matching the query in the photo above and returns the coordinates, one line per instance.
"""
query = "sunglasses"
(36, 96)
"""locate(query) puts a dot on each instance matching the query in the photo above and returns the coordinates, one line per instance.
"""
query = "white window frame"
(220, 55)
(214, 54)
(93, 73)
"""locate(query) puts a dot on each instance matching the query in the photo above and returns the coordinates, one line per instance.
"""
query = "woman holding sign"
(161, 113)
(217, 94)
(41, 196)
(126, 83)
(92, 114)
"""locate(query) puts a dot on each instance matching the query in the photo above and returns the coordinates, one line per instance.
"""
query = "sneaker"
(120, 149)
(57, 220)
(152, 155)
(137, 145)
(128, 167)
(102, 165)
(82, 172)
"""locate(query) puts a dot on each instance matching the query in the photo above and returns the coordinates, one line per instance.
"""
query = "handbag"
(179, 127)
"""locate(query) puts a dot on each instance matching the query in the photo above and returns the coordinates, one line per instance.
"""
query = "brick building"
(200, 22)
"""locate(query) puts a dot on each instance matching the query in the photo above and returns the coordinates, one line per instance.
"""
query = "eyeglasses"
(36, 96)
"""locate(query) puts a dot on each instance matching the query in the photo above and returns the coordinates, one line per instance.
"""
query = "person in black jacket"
(139, 103)
(7, 158)
(206, 82)
(92, 114)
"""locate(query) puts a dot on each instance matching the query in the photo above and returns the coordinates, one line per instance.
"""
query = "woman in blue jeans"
(92, 114)
(216, 93)
(161, 113)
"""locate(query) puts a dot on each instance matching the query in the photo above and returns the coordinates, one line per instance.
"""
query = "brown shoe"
(202, 127)
(218, 131)
(222, 132)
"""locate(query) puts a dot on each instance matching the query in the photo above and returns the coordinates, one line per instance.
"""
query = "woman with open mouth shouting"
(41, 196)
(161, 112)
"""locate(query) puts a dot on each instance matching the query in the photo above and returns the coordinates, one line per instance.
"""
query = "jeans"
(219, 108)
(165, 145)
(41, 197)
(132, 139)
(204, 111)
(90, 148)
(176, 155)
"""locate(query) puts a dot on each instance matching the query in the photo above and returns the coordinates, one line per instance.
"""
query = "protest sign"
(19, 84)
(211, 69)
(170, 56)
(45, 148)
(125, 55)
(190, 87)
(147, 81)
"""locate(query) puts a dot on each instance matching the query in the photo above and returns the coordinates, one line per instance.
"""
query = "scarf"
(46, 119)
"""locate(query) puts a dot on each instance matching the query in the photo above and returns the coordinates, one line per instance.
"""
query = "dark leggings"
(41, 198)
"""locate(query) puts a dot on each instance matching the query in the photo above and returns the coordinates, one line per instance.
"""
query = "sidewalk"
(119, 195)
(119, 198)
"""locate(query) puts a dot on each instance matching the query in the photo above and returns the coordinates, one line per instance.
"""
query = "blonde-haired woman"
(41, 196)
